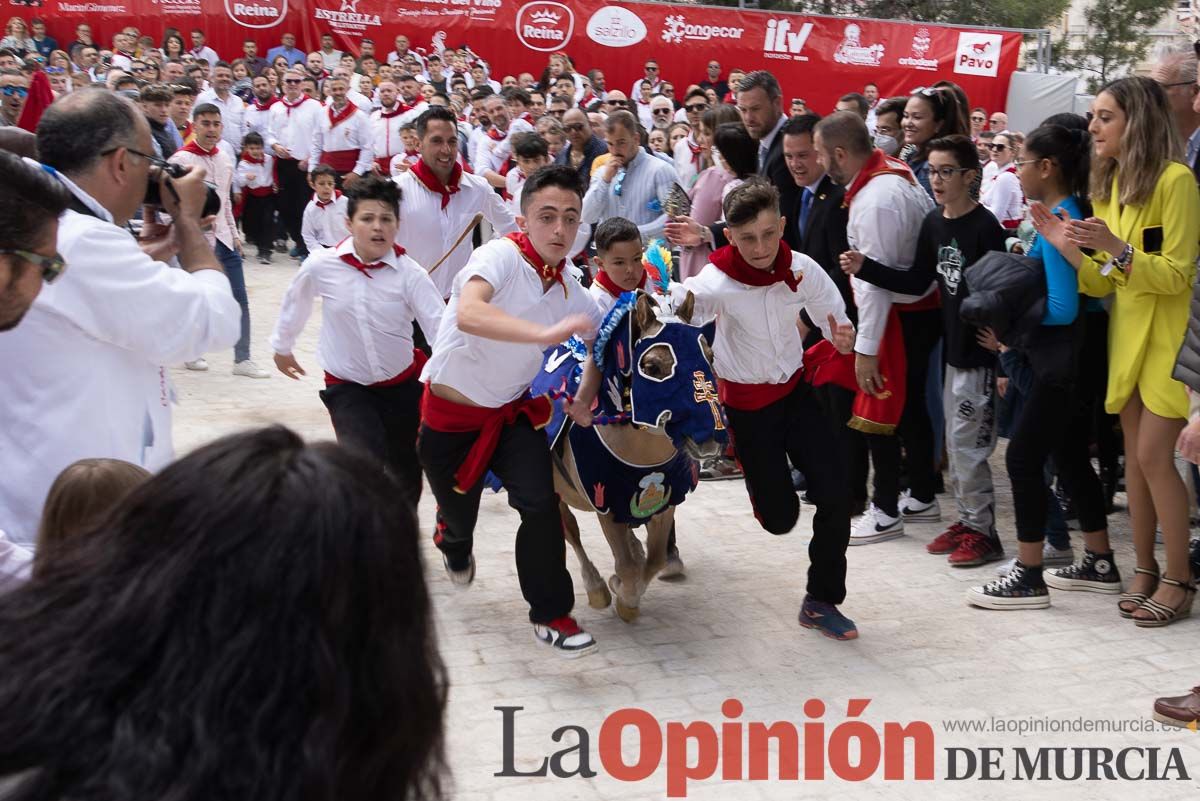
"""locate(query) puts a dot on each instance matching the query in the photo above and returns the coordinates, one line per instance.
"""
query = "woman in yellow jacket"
(1143, 240)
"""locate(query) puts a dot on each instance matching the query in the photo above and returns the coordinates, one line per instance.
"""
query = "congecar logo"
(978, 54)
(616, 27)
(256, 13)
(545, 26)
(676, 28)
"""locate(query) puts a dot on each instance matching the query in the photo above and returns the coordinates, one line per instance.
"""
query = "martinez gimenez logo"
(256, 13)
(816, 749)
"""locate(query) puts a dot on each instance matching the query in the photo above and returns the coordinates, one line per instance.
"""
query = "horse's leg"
(627, 582)
(658, 528)
(598, 594)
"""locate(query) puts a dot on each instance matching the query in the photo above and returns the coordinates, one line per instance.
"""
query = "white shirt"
(487, 371)
(989, 171)
(491, 154)
(258, 121)
(324, 226)
(357, 98)
(294, 128)
(885, 219)
(254, 176)
(83, 376)
(123, 62)
(1002, 194)
(685, 165)
(351, 134)
(16, 563)
(366, 322)
(644, 188)
(331, 59)
(757, 341)
(233, 116)
(386, 138)
(206, 53)
(218, 167)
(427, 230)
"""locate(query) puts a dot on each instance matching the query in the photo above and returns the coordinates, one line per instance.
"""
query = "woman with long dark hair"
(930, 113)
(250, 623)
(173, 46)
(1142, 243)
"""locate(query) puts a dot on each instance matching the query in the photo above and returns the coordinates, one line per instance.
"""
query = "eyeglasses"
(979, 119)
(292, 80)
(621, 103)
(1174, 84)
(155, 161)
(946, 173)
(19, 91)
(51, 266)
(651, 69)
(574, 127)
(925, 91)
(996, 148)
(696, 108)
(55, 70)
(662, 111)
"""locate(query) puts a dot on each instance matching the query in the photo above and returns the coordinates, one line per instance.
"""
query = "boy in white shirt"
(370, 292)
(254, 187)
(756, 287)
(325, 216)
(531, 152)
(511, 301)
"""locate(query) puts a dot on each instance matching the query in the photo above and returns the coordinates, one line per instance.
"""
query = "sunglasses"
(651, 69)
(51, 266)
(574, 127)
(19, 91)
(662, 111)
(979, 119)
(621, 103)
(995, 148)
(696, 108)
(995, 121)
(293, 80)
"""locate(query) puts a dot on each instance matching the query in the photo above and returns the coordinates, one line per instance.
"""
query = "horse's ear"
(685, 309)
(643, 314)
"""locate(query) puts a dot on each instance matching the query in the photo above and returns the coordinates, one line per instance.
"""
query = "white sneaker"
(1050, 556)
(914, 511)
(249, 369)
(199, 365)
(875, 526)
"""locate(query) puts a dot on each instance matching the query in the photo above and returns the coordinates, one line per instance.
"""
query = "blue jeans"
(232, 263)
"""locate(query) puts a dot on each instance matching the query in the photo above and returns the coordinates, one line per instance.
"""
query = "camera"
(212, 201)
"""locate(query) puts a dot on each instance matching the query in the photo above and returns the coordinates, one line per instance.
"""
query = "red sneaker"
(564, 635)
(948, 540)
(975, 549)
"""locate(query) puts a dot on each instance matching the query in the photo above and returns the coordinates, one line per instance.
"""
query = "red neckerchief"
(408, 154)
(337, 193)
(261, 106)
(588, 98)
(878, 164)
(697, 151)
(729, 261)
(338, 117)
(246, 157)
(355, 262)
(527, 117)
(185, 132)
(396, 112)
(426, 176)
(729, 98)
(290, 105)
(192, 147)
(494, 134)
(610, 286)
(547, 272)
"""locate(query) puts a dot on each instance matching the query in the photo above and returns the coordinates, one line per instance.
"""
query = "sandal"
(1137, 598)
(1164, 615)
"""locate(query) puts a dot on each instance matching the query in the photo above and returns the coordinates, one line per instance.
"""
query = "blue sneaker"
(827, 619)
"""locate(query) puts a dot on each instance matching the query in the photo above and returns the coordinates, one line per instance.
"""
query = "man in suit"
(819, 222)
(760, 104)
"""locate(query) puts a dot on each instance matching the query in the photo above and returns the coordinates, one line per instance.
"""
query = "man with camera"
(84, 374)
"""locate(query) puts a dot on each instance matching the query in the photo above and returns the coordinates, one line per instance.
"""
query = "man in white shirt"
(258, 113)
(329, 56)
(201, 50)
(632, 183)
(294, 121)
(887, 207)
(651, 75)
(495, 149)
(342, 138)
(233, 110)
(439, 201)
(85, 374)
(386, 122)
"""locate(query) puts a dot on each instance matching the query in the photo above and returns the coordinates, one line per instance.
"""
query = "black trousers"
(381, 422)
(1056, 420)
(838, 404)
(294, 194)
(795, 428)
(258, 222)
(922, 330)
(522, 461)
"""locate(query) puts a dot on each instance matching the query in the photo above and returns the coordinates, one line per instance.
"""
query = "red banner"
(817, 58)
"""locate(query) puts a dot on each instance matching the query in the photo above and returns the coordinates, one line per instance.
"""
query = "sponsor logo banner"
(348, 18)
(784, 42)
(256, 13)
(854, 52)
(978, 54)
(676, 29)
(614, 26)
(921, 43)
(545, 26)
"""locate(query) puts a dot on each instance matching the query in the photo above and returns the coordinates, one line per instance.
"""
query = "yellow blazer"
(1151, 302)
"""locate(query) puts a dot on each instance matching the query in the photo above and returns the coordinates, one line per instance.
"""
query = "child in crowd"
(324, 222)
(371, 292)
(530, 152)
(79, 499)
(254, 181)
(756, 287)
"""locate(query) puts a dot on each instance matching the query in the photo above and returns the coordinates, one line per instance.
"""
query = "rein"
(597, 420)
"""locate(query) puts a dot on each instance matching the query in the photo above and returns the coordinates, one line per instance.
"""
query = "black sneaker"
(1022, 588)
(1195, 558)
(565, 635)
(460, 576)
(1092, 573)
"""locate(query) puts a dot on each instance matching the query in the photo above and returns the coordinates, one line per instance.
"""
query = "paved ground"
(729, 631)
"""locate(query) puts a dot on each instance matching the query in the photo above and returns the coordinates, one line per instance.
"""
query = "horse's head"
(657, 366)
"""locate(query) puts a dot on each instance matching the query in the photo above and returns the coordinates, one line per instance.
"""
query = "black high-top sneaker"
(1022, 588)
(1094, 572)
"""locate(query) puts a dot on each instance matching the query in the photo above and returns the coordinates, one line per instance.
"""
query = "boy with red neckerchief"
(325, 216)
(511, 301)
(255, 185)
(756, 287)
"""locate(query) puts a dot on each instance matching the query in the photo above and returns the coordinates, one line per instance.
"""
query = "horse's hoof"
(599, 598)
(614, 583)
(627, 613)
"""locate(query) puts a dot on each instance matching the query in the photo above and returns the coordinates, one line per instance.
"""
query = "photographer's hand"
(183, 199)
(188, 198)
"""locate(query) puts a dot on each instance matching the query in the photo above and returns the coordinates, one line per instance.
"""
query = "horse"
(659, 383)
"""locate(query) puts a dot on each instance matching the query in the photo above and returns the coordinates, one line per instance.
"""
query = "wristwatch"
(1120, 262)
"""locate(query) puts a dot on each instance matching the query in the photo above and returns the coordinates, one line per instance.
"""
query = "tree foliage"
(999, 13)
(1115, 40)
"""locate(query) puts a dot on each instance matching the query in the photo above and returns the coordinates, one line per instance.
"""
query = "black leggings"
(922, 330)
(1056, 420)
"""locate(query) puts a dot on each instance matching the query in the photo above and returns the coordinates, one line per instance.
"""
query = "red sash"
(341, 160)
(752, 397)
(871, 414)
(409, 373)
(458, 418)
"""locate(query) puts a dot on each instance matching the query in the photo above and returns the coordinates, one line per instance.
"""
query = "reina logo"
(257, 13)
(545, 26)
(782, 42)
(614, 26)
(978, 54)
(920, 47)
